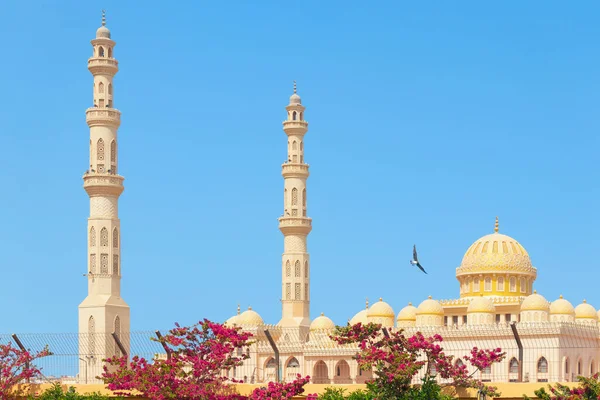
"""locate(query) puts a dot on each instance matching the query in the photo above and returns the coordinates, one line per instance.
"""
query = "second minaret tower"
(294, 223)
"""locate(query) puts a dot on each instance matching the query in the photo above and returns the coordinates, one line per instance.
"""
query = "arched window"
(294, 115)
(592, 367)
(487, 284)
(500, 284)
(288, 269)
(476, 284)
(294, 145)
(271, 363)
(100, 51)
(110, 89)
(513, 366)
(304, 198)
(306, 269)
(110, 52)
(116, 265)
(101, 87)
(297, 269)
(104, 237)
(459, 362)
(288, 291)
(567, 365)
(579, 367)
(523, 287)
(513, 284)
(320, 373)
(91, 336)
(113, 151)
(100, 150)
(487, 369)
(293, 363)
(92, 263)
(92, 237)
(542, 366)
(294, 197)
(115, 238)
(301, 116)
(297, 289)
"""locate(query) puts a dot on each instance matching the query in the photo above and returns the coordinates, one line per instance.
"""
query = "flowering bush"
(16, 367)
(397, 359)
(198, 356)
(589, 388)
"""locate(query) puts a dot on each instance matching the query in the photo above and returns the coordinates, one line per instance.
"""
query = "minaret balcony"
(294, 170)
(98, 184)
(103, 66)
(295, 225)
(295, 127)
(96, 116)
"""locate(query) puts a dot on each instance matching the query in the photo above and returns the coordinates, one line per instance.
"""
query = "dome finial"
(380, 299)
(103, 17)
(295, 91)
(322, 314)
(238, 310)
(560, 297)
(496, 226)
(367, 302)
(535, 292)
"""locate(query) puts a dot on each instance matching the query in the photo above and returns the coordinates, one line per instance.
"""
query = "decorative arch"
(542, 365)
(115, 238)
(101, 88)
(500, 284)
(523, 285)
(567, 366)
(93, 237)
(513, 366)
(294, 197)
(100, 51)
(297, 269)
(292, 369)
(306, 269)
(487, 284)
(104, 237)
(579, 367)
(288, 269)
(91, 336)
(110, 52)
(270, 369)
(459, 362)
(513, 284)
(110, 89)
(301, 115)
(294, 145)
(321, 373)
(294, 115)
(342, 372)
(100, 150)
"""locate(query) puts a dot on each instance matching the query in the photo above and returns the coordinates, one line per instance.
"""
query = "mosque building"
(496, 297)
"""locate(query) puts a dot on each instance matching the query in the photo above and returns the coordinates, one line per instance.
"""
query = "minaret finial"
(239, 309)
(496, 226)
(367, 303)
(103, 17)
(295, 91)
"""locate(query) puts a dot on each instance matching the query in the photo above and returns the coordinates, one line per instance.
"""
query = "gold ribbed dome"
(481, 305)
(496, 253)
(322, 323)
(562, 306)
(430, 307)
(250, 318)
(585, 311)
(408, 313)
(535, 302)
(381, 309)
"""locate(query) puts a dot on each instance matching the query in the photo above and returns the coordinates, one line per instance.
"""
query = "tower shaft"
(294, 223)
(103, 311)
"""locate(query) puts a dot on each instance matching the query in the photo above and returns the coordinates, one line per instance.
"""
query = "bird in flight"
(415, 260)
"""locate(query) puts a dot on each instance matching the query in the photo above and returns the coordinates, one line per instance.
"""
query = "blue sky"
(427, 119)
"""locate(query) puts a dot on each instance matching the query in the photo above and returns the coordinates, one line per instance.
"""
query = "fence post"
(164, 345)
(118, 343)
(276, 351)
(513, 326)
(18, 342)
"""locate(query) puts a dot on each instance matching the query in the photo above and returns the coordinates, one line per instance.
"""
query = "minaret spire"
(103, 311)
(294, 223)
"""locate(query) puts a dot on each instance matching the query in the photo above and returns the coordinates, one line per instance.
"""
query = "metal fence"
(536, 352)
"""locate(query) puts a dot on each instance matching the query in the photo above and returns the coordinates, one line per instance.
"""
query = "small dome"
(232, 321)
(250, 318)
(381, 309)
(585, 311)
(103, 32)
(481, 305)
(536, 302)
(295, 99)
(408, 313)
(322, 323)
(430, 306)
(360, 316)
(562, 306)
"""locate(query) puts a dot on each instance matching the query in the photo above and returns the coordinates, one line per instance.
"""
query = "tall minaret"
(103, 311)
(294, 224)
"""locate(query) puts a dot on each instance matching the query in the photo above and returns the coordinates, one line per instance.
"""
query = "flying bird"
(415, 260)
